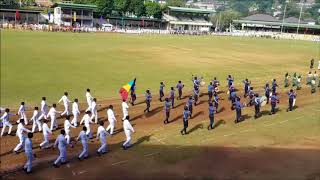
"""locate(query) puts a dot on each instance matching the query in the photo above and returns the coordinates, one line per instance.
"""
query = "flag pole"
(284, 14)
(299, 18)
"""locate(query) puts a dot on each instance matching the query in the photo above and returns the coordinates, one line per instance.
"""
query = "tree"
(292, 10)
(177, 3)
(121, 6)
(137, 7)
(225, 18)
(241, 7)
(105, 7)
(153, 9)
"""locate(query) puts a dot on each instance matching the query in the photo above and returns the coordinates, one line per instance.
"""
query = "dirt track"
(227, 159)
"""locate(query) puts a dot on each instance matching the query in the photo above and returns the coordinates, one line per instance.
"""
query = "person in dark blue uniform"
(180, 87)
(186, 114)
(233, 97)
(171, 96)
(267, 92)
(251, 96)
(274, 86)
(238, 107)
(215, 84)
(230, 80)
(133, 95)
(148, 100)
(210, 91)
(211, 115)
(189, 105)
(196, 82)
(246, 87)
(274, 100)
(257, 105)
(161, 93)
(167, 106)
(292, 95)
(196, 94)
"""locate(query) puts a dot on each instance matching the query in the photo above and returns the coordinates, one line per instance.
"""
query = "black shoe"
(55, 165)
(28, 172)
(181, 132)
(98, 153)
(79, 159)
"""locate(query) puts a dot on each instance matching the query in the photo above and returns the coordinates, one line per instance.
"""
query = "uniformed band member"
(274, 100)
(257, 106)
(62, 146)
(46, 132)
(210, 91)
(28, 151)
(189, 105)
(171, 96)
(230, 80)
(196, 82)
(20, 133)
(161, 93)
(128, 130)
(211, 115)
(267, 92)
(309, 78)
(216, 101)
(179, 87)
(246, 87)
(35, 120)
(102, 136)
(133, 95)
(238, 107)
(22, 113)
(66, 102)
(251, 97)
(167, 106)
(286, 80)
(274, 86)
(196, 94)
(148, 100)
(292, 95)
(233, 97)
(84, 141)
(186, 114)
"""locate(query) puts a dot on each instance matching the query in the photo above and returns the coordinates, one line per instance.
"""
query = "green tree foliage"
(121, 6)
(137, 7)
(178, 3)
(153, 9)
(225, 18)
(105, 7)
(293, 10)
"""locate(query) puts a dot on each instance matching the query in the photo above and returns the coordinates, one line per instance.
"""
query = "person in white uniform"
(125, 108)
(128, 130)
(112, 119)
(20, 130)
(62, 146)
(84, 141)
(86, 119)
(94, 111)
(66, 102)
(22, 113)
(102, 136)
(67, 126)
(5, 118)
(43, 109)
(46, 133)
(35, 120)
(89, 99)
(75, 112)
(53, 116)
(29, 154)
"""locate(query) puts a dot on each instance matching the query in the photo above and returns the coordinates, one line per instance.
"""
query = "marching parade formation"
(42, 116)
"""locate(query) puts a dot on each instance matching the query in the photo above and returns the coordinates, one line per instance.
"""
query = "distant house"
(264, 22)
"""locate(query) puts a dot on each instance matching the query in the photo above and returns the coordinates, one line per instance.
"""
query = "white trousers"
(62, 156)
(66, 110)
(103, 147)
(125, 114)
(67, 136)
(35, 124)
(85, 150)
(45, 143)
(111, 127)
(21, 143)
(127, 143)
(54, 123)
(43, 115)
(5, 124)
(75, 118)
(94, 116)
(28, 165)
(24, 116)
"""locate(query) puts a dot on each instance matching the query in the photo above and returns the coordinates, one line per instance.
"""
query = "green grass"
(36, 64)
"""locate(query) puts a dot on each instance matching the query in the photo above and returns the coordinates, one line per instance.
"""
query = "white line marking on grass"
(316, 109)
(247, 130)
(226, 135)
(271, 124)
(159, 140)
(151, 154)
(120, 162)
(281, 122)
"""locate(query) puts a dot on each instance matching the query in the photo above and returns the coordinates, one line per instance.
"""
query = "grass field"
(282, 146)
(37, 64)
